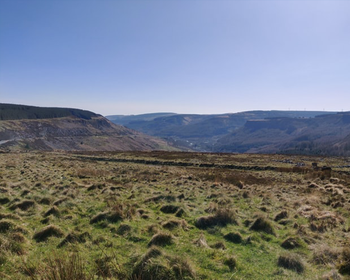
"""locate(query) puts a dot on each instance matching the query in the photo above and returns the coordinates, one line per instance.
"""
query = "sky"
(185, 56)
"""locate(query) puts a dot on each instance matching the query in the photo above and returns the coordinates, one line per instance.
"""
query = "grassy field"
(162, 215)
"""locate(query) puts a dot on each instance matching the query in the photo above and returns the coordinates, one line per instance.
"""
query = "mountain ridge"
(40, 128)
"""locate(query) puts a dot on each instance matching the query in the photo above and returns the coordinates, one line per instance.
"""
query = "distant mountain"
(37, 128)
(125, 119)
(202, 132)
(322, 135)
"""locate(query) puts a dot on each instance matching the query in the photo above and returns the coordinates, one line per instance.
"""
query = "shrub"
(47, 232)
(292, 262)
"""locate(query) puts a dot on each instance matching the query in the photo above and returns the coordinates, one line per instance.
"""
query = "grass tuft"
(46, 232)
(291, 261)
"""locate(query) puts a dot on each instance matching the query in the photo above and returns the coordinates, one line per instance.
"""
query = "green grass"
(140, 201)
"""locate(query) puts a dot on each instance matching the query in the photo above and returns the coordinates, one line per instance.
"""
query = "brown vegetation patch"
(123, 229)
(233, 237)
(6, 225)
(161, 239)
(291, 261)
(291, 243)
(262, 224)
(172, 224)
(52, 211)
(222, 217)
(23, 205)
(169, 209)
(282, 215)
(74, 237)
(4, 200)
(201, 242)
(46, 232)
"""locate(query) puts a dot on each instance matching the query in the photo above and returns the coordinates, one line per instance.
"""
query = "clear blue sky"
(184, 56)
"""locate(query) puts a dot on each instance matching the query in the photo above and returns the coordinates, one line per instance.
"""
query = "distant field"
(173, 215)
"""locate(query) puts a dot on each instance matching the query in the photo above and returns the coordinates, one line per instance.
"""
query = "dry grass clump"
(161, 239)
(52, 211)
(344, 266)
(9, 216)
(291, 243)
(23, 205)
(46, 232)
(123, 229)
(4, 200)
(233, 237)
(325, 254)
(219, 245)
(45, 200)
(291, 261)
(74, 237)
(172, 224)
(282, 215)
(262, 224)
(201, 242)
(222, 217)
(332, 275)
(60, 267)
(169, 209)
(6, 226)
(230, 262)
(116, 214)
(154, 265)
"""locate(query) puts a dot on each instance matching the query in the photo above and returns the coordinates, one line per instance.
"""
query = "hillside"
(35, 128)
(19, 112)
(201, 132)
(322, 135)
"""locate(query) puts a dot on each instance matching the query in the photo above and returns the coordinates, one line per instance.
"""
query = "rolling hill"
(36, 128)
(226, 132)
(322, 135)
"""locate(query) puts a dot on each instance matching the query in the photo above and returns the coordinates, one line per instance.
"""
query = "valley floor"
(173, 215)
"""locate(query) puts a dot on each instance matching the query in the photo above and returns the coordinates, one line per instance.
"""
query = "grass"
(152, 215)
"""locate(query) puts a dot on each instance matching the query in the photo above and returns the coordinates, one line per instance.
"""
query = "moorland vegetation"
(171, 215)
